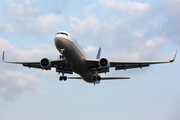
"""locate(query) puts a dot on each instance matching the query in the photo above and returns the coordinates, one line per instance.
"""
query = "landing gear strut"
(62, 57)
(97, 77)
(61, 50)
(63, 77)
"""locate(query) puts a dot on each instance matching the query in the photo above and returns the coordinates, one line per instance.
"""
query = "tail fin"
(3, 56)
(99, 53)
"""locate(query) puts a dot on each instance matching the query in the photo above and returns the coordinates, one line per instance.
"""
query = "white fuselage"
(74, 55)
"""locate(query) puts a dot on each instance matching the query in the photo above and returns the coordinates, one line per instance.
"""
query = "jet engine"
(104, 64)
(46, 64)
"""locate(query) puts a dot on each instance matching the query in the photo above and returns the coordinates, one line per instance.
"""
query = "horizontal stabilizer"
(74, 78)
(103, 78)
(114, 78)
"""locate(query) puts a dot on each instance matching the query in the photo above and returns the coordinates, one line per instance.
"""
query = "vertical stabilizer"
(3, 56)
(99, 53)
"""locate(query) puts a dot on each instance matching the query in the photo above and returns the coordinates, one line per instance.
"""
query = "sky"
(133, 30)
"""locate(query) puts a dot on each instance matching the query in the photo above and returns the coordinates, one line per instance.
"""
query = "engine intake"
(46, 64)
(104, 64)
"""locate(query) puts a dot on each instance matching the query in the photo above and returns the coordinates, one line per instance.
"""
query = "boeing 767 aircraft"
(73, 59)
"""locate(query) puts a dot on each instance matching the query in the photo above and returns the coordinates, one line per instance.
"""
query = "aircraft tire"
(65, 78)
(98, 78)
(94, 78)
(60, 78)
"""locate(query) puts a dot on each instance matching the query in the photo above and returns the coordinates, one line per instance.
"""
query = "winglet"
(173, 58)
(99, 53)
(3, 56)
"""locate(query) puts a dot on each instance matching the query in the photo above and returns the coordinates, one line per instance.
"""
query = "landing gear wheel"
(98, 78)
(94, 78)
(60, 78)
(61, 57)
(63, 78)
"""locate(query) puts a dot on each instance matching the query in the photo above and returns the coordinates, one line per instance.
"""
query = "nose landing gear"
(61, 57)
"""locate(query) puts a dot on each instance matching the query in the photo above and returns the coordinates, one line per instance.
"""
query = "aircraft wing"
(92, 63)
(123, 65)
(59, 64)
(36, 64)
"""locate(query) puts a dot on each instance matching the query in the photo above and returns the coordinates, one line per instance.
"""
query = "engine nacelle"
(46, 64)
(104, 64)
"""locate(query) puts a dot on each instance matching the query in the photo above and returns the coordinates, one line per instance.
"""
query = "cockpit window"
(63, 33)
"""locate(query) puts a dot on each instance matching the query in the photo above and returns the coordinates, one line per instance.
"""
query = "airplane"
(74, 59)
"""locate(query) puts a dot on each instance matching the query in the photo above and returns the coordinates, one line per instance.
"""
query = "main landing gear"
(63, 78)
(96, 78)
